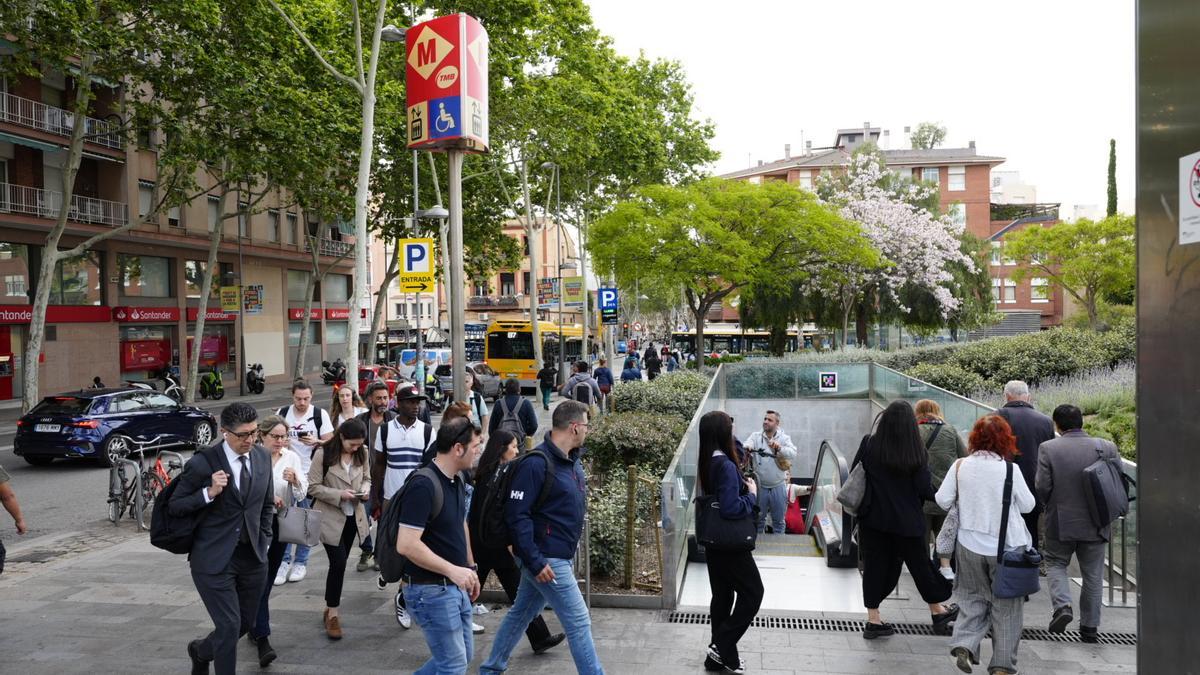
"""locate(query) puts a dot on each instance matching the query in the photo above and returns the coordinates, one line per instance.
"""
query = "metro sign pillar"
(446, 75)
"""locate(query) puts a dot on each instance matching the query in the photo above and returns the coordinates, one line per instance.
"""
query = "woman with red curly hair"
(976, 483)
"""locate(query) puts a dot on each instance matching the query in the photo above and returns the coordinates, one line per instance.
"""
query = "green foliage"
(948, 376)
(606, 513)
(928, 135)
(678, 393)
(1112, 178)
(646, 439)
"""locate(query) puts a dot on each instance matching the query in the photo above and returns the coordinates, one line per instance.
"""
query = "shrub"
(606, 516)
(619, 439)
(931, 355)
(949, 377)
(678, 393)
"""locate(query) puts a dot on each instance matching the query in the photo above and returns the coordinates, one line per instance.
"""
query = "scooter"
(433, 394)
(211, 385)
(254, 379)
(333, 373)
(171, 386)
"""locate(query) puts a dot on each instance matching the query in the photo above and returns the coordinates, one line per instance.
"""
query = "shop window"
(144, 276)
(336, 332)
(193, 278)
(297, 284)
(14, 261)
(336, 287)
(77, 280)
(314, 333)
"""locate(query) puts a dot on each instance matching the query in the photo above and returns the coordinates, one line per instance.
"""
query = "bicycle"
(134, 490)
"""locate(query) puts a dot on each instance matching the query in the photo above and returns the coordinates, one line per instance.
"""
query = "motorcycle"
(333, 373)
(211, 384)
(433, 393)
(254, 379)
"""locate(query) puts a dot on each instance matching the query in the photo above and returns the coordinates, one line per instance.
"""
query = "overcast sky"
(1044, 84)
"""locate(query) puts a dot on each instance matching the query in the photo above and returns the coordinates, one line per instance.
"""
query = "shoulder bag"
(853, 492)
(715, 532)
(1016, 571)
(947, 537)
(298, 525)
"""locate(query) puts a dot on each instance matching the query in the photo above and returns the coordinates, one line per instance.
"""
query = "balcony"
(488, 302)
(329, 247)
(46, 204)
(37, 115)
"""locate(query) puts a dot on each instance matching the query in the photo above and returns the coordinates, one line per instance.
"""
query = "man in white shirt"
(309, 426)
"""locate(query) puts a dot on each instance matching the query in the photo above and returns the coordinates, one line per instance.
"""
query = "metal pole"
(562, 352)
(419, 367)
(582, 271)
(535, 269)
(457, 299)
(241, 323)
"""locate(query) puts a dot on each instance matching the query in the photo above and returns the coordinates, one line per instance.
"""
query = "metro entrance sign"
(447, 81)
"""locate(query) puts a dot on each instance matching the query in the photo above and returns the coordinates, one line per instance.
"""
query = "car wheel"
(202, 435)
(115, 448)
(38, 460)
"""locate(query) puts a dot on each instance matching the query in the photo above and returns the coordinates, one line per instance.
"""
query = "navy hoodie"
(553, 530)
(729, 488)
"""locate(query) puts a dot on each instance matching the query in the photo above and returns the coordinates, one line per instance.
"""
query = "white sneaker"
(480, 609)
(402, 616)
(476, 628)
(947, 572)
(298, 572)
(281, 576)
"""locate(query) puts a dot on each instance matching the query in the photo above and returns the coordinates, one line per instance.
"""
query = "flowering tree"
(916, 246)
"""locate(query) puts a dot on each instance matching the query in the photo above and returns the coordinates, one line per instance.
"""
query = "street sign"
(416, 265)
(447, 83)
(637, 326)
(608, 299)
(608, 317)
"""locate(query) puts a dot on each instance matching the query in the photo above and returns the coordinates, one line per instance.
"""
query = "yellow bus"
(508, 348)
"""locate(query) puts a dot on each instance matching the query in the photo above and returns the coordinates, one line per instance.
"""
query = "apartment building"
(127, 308)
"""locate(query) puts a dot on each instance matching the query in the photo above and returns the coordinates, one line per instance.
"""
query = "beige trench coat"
(326, 490)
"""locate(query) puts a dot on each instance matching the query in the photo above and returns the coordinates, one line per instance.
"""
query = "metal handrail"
(41, 203)
(830, 449)
(37, 115)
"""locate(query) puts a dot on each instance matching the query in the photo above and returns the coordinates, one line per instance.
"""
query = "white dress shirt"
(236, 465)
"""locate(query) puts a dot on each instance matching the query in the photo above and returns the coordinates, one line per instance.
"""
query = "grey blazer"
(218, 531)
(1059, 483)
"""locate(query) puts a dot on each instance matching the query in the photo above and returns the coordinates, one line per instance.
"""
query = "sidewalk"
(130, 608)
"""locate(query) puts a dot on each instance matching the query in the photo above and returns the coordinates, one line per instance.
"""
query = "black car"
(105, 424)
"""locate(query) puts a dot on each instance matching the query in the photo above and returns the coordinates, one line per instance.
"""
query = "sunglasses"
(243, 435)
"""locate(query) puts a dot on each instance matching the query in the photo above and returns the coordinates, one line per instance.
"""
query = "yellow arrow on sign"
(416, 286)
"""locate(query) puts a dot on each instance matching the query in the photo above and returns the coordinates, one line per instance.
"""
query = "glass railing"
(888, 385)
(783, 380)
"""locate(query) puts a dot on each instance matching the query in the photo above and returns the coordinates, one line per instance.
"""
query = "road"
(71, 496)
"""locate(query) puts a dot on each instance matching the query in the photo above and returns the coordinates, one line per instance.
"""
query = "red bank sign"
(145, 314)
(211, 315)
(446, 75)
(18, 314)
(298, 314)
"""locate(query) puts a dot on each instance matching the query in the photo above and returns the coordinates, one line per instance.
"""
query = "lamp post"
(438, 213)
(562, 351)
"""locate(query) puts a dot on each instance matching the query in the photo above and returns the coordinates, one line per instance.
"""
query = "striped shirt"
(404, 448)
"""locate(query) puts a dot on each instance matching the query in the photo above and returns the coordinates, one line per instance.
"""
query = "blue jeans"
(301, 551)
(772, 501)
(444, 615)
(566, 600)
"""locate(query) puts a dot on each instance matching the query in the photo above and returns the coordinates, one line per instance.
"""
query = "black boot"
(1089, 635)
(265, 653)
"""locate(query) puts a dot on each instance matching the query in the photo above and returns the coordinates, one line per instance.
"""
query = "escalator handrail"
(843, 474)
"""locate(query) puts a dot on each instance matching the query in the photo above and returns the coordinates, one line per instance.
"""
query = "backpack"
(510, 421)
(491, 528)
(584, 394)
(1106, 490)
(391, 563)
(175, 533)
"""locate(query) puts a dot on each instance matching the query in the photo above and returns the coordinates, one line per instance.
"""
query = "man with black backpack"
(514, 414)
(309, 426)
(441, 584)
(544, 524)
(1070, 529)
(581, 386)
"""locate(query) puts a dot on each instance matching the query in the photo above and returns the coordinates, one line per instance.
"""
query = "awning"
(31, 143)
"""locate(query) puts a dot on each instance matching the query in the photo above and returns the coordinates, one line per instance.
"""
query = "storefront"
(14, 335)
(147, 340)
(218, 347)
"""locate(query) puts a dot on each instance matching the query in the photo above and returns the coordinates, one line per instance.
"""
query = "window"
(479, 289)
(314, 333)
(525, 283)
(14, 285)
(160, 401)
(958, 214)
(806, 180)
(193, 278)
(77, 280)
(1039, 290)
(14, 260)
(144, 276)
(1004, 290)
(756, 180)
(508, 283)
(414, 310)
(272, 226)
(214, 212)
(297, 284)
(336, 288)
(173, 217)
(145, 198)
(525, 245)
(931, 174)
(957, 178)
(996, 253)
(290, 230)
(402, 310)
(336, 332)
(244, 219)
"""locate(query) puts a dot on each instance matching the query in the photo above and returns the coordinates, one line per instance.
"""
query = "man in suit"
(1069, 527)
(1031, 428)
(231, 483)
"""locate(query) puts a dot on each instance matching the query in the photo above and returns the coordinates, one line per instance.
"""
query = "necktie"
(244, 479)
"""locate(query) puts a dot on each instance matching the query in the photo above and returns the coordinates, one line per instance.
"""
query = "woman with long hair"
(287, 475)
(733, 578)
(976, 484)
(480, 415)
(339, 483)
(346, 405)
(501, 448)
(891, 527)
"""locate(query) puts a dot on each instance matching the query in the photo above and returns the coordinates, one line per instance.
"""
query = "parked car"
(489, 380)
(105, 424)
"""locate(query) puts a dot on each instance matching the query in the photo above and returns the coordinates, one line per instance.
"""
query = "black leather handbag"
(716, 533)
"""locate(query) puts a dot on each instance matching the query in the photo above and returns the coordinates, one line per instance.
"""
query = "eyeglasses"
(242, 435)
(278, 437)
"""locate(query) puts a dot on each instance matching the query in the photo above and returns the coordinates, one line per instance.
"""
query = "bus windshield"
(510, 345)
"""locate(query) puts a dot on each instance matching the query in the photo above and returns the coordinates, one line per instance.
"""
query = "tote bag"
(298, 525)
(720, 534)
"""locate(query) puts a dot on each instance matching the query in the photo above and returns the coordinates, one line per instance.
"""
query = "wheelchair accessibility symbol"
(444, 121)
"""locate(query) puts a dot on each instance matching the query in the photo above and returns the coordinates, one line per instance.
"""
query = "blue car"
(105, 424)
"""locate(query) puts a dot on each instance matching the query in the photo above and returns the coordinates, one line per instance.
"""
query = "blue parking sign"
(608, 298)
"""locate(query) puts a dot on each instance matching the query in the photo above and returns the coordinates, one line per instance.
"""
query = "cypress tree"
(1112, 178)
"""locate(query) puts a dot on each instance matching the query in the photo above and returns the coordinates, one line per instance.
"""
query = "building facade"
(127, 308)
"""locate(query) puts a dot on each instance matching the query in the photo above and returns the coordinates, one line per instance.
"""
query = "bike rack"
(181, 460)
(139, 504)
(136, 466)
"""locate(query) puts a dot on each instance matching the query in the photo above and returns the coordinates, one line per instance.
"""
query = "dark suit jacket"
(218, 531)
(1031, 428)
(1059, 481)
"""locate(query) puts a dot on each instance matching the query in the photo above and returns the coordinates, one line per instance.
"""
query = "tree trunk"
(377, 317)
(700, 312)
(192, 381)
(301, 365)
(1089, 303)
(860, 325)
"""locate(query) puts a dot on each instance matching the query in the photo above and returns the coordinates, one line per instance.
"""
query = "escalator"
(824, 518)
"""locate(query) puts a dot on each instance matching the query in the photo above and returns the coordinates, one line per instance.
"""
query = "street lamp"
(562, 351)
(439, 213)
(390, 33)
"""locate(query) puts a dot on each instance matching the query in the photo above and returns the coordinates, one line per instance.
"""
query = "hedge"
(678, 393)
(648, 440)
(949, 377)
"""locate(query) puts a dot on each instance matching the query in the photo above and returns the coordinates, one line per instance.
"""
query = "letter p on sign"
(418, 256)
